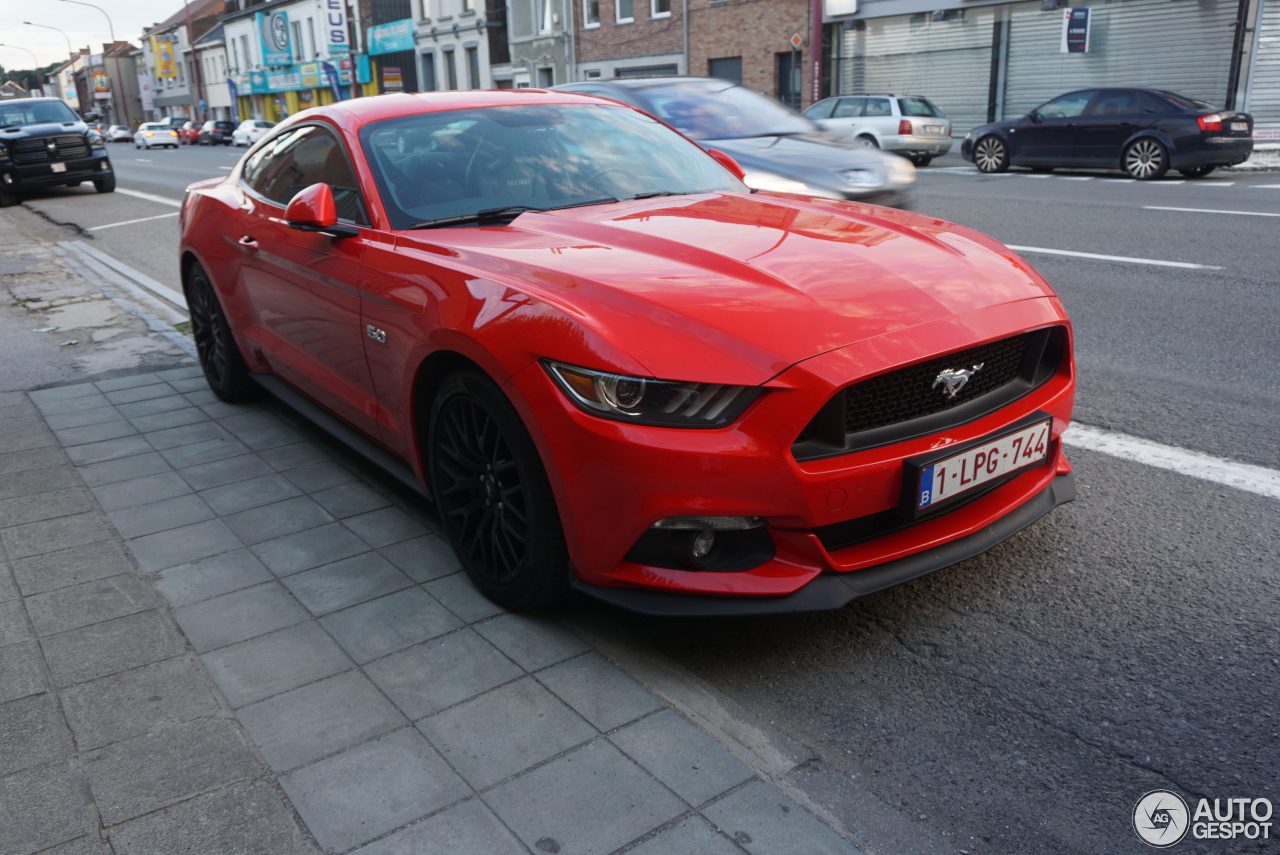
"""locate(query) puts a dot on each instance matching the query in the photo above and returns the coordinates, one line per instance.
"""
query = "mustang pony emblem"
(953, 379)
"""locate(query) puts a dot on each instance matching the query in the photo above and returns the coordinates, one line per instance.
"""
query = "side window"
(878, 107)
(850, 108)
(821, 110)
(302, 157)
(1066, 107)
(1115, 102)
(1151, 105)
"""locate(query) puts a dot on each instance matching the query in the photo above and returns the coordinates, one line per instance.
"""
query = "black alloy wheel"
(220, 359)
(493, 495)
(1145, 159)
(1197, 171)
(991, 155)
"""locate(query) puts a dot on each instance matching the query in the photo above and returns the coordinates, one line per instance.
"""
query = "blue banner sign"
(391, 38)
(273, 29)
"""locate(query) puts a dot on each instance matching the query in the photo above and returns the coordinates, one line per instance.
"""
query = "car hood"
(43, 129)
(819, 159)
(735, 288)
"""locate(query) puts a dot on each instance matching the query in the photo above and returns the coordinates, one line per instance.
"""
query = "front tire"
(921, 160)
(868, 141)
(493, 495)
(105, 184)
(991, 155)
(1197, 171)
(1145, 159)
(220, 358)
(8, 198)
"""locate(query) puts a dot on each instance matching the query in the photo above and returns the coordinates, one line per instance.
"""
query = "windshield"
(716, 110)
(919, 107)
(456, 163)
(13, 113)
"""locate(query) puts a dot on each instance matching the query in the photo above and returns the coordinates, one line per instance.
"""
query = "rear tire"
(1197, 171)
(921, 160)
(106, 184)
(493, 495)
(991, 155)
(220, 358)
(1145, 159)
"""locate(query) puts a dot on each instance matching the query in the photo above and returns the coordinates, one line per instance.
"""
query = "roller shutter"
(1263, 100)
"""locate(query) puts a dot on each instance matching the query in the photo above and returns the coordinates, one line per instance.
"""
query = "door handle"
(248, 243)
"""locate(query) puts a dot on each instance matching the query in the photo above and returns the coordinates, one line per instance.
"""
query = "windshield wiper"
(652, 194)
(497, 216)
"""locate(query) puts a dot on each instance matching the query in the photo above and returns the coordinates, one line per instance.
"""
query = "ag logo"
(1161, 818)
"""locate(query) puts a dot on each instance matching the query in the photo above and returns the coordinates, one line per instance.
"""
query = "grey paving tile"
(163, 440)
(153, 406)
(277, 520)
(468, 827)
(90, 602)
(247, 420)
(20, 674)
(253, 493)
(8, 588)
(26, 441)
(691, 836)
(562, 802)
(90, 844)
(169, 419)
(306, 549)
(140, 491)
(763, 820)
(123, 469)
(15, 407)
(94, 433)
(193, 385)
(32, 733)
(272, 437)
(681, 756)
(40, 808)
(599, 691)
(31, 424)
(72, 405)
(132, 381)
(59, 393)
(423, 558)
(320, 476)
(185, 456)
(211, 577)
(439, 673)
(199, 394)
(111, 449)
(35, 481)
(261, 667)
(219, 473)
(286, 457)
(496, 735)
(45, 506)
(312, 721)
(138, 701)
(345, 583)
(350, 499)
(219, 621)
(140, 393)
(185, 373)
(50, 535)
(183, 545)
(389, 623)
(160, 516)
(28, 461)
(461, 597)
(67, 567)
(80, 418)
(533, 642)
(365, 792)
(222, 409)
(13, 623)
(110, 647)
(246, 818)
(143, 774)
(385, 527)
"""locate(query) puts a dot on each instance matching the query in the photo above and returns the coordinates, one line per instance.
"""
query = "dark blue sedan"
(1144, 132)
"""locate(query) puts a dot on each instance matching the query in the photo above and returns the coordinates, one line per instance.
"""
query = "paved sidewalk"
(316, 673)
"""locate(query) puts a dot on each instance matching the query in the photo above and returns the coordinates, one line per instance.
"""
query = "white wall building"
(452, 45)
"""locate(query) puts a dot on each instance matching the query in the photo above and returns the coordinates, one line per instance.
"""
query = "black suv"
(44, 144)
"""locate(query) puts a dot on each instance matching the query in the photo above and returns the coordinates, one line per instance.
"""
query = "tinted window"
(919, 107)
(878, 107)
(1115, 102)
(1151, 104)
(34, 113)
(264, 124)
(299, 158)
(850, 108)
(821, 110)
(226, 126)
(1065, 107)
(1194, 104)
(716, 110)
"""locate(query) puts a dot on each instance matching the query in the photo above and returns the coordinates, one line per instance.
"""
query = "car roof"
(362, 111)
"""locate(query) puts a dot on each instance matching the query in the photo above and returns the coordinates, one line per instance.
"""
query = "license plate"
(933, 129)
(1239, 126)
(938, 481)
(58, 167)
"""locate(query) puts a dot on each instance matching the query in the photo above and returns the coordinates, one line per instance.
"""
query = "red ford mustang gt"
(615, 369)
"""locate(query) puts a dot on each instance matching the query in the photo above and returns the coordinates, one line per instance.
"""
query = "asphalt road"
(1023, 701)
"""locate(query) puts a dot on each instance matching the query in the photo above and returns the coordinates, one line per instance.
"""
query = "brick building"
(629, 38)
(750, 41)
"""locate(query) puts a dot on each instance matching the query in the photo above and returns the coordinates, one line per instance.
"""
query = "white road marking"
(1266, 187)
(1164, 183)
(1184, 264)
(151, 197)
(143, 159)
(228, 168)
(131, 222)
(135, 277)
(1215, 183)
(1242, 476)
(1209, 211)
(953, 168)
(1118, 180)
(1037, 176)
(1074, 177)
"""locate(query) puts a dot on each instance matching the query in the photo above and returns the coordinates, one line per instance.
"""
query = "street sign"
(204, 105)
(796, 41)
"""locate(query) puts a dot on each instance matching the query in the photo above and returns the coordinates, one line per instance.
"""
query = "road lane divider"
(1209, 211)
(1219, 470)
(131, 222)
(135, 279)
(1186, 265)
(150, 197)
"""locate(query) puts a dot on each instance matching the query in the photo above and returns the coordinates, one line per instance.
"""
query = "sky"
(84, 26)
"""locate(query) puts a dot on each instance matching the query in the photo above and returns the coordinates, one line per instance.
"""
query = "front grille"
(912, 401)
(68, 147)
(912, 392)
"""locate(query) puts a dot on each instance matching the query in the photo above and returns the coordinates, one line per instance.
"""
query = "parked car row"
(170, 133)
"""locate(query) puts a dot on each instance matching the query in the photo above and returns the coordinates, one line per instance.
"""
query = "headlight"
(4, 152)
(901, 171)
(95, 138)
(779, 184)
(863, 179)
(640, 400)
(971, 135)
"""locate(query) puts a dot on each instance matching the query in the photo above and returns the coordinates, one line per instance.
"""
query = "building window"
(726, 68)
(593, 74)
(244, 53)
(235, 59)
(590, 13)
(296, 26)
(450, 70)
(545, 16)
(311, 37)
(625, 13)
(546, 78)
(468, 6)
(661, 9)
(473, 68)
(429, 83)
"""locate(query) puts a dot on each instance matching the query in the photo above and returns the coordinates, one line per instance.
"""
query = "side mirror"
(728, 163)
(1034, 116)
(313, 210)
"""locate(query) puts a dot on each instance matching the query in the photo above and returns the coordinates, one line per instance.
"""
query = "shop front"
(279, 93)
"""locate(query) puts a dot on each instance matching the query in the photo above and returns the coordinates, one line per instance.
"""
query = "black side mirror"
(1034, 116)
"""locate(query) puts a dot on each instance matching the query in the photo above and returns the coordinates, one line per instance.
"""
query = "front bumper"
(614, 480)
(32, 176)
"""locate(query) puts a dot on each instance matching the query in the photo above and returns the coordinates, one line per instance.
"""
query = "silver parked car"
(907, 124)
(118, 133)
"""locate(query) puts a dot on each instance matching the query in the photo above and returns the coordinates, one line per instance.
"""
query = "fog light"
(703, 543)
(8, 179)
(712, 523)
